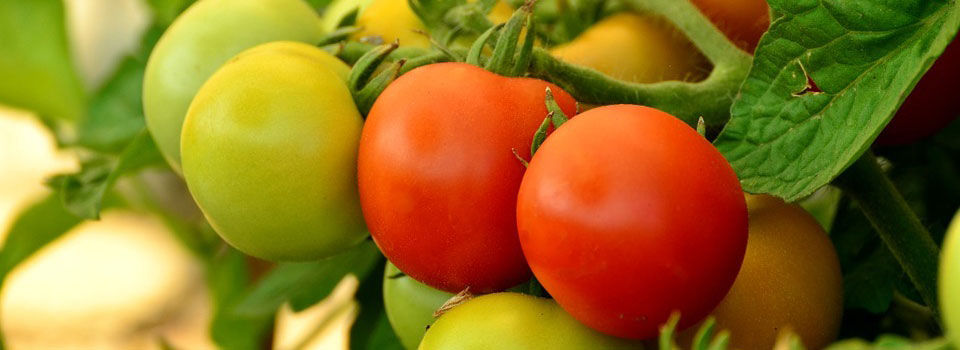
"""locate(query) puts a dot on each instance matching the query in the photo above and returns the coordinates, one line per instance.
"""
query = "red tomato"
(627, 214)
(931, 105)
(438, 178)
(743, 21)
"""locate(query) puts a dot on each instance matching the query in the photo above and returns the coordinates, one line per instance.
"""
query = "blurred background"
(125, 281)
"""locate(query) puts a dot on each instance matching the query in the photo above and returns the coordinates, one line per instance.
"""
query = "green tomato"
(515, 321)
(950, 280)
(270, 153)
(409, 305)
(201, 40)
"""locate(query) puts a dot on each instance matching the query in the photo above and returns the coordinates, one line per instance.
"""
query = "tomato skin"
(950, 280)
(409, 305)
(605, 45)
(269, 153)
(438, 178)
(627, 214)
(743, 21)
(930, 106)
(514, 321)
(201, 40)
(790, 278)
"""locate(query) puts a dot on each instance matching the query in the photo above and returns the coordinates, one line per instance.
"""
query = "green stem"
(710, 98)
(895, 222)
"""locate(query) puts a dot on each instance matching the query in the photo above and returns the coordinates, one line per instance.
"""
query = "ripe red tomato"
(743, 21)
(627, 214)
(438, 178)
(931, 105)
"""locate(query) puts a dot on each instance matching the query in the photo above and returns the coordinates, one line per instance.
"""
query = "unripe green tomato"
(409, 305)
(270, 153)
(515, 321)
(201, 40)
(950, 281)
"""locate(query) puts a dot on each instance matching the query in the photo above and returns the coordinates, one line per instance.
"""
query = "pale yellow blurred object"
(391, 20)
(636, 48)
(324, 326)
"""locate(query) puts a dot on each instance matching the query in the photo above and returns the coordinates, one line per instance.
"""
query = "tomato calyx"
(506, 59)
(460, 298)
(366, 89)
(555, 116)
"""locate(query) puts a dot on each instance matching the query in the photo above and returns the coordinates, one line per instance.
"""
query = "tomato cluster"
(624, 214)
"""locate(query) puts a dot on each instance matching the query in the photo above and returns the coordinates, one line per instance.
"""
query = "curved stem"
(710, 98)
(895, 222)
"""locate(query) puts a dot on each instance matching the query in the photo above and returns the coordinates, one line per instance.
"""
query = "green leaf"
(82, 193)
(372, 330)
(35, 65)
(304, 284)
(864, 55)
(116, 112)
(37, 226)
(228, 278)
(870, 284)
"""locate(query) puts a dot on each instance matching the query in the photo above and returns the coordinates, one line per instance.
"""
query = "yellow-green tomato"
(790, 278)
(409, 305)
(515, 321)
(950, 281)
(201, 40)
(269, 153)
(637, 48)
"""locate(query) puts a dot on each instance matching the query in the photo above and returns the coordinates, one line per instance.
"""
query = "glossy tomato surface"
(409, 305)
(636, 48)
(743, 21)
(931, 105)
(627, 214)
(269, 153)
(438, 177)
(201, 40)
(790, 279)
(515, 321)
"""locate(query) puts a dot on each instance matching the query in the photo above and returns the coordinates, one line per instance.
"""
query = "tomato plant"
(790, 279)
(514, 321)
(950, 280)
(409, 305)
(657, 52)
(438, 177)
(606, 220)
(270, 157)
(743, 21)
(632, 223)
(200, 41)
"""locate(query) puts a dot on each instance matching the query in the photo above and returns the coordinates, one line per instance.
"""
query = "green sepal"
(474, 55)
(369, 93)
(338, 35)
(540, 135)
(556, 112)
(505, 52)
